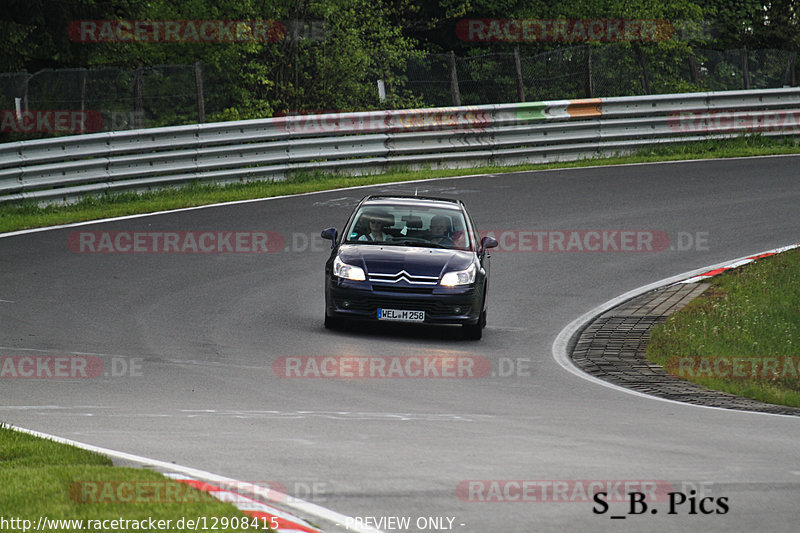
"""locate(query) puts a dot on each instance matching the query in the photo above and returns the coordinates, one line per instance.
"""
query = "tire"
(332, 322)
(474, 332)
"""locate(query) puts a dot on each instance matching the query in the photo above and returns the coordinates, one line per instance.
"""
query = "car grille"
(371, 305)
(402, 289)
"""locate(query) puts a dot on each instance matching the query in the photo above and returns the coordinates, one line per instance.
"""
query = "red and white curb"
(286, 522)
(737, 264)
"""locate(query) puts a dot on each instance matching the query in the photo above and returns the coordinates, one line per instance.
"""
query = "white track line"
(357, 187)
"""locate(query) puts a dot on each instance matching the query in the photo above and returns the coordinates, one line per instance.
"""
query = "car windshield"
(413, 225)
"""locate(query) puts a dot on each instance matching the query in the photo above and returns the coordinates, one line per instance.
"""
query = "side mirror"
(330, 234)
(488, 242)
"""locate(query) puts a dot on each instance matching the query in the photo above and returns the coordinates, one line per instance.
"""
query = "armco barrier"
(356, 143)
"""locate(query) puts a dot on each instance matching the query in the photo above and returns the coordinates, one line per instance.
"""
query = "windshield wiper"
(422, 244)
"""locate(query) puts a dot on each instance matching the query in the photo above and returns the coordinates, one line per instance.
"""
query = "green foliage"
(339, 72)
(21, 449)
(354, 43)
(756, 23)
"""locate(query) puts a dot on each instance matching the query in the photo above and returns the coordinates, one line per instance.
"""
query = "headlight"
(343, 270)
(462, 277)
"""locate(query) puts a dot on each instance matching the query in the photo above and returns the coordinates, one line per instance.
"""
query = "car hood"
(415, 261)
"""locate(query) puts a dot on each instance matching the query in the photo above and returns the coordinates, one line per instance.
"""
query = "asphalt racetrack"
(191, 345)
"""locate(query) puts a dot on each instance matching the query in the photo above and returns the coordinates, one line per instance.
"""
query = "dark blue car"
(408, 259)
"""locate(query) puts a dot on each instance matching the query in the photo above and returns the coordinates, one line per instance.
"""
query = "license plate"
(401, 315)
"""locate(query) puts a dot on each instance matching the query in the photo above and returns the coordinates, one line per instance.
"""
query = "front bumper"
(442, 305)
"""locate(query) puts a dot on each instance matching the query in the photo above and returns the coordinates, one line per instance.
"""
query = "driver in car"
(376, 233)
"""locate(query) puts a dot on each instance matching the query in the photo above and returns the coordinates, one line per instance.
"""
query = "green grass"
(42, 478)
(24, 215)
(751, 314)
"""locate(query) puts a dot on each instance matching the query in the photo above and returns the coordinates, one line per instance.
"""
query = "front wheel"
(332, 322)
(475, 331)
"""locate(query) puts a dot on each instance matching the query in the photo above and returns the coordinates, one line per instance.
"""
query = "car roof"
(427, 201)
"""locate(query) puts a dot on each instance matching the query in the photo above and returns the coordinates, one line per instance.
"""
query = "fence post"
(83, 89)
(588, 83)
(198, 81)
(138, 103)
(518, 67)
(643, 66)
(693, 71)
(25, 93)
(454, 80)
(745, 68)
(82, 85)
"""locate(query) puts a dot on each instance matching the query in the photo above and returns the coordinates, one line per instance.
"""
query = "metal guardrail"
(355, 143)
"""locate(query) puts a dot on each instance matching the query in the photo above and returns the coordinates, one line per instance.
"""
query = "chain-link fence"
(593, 71)
(67, 101)
(52, 102)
